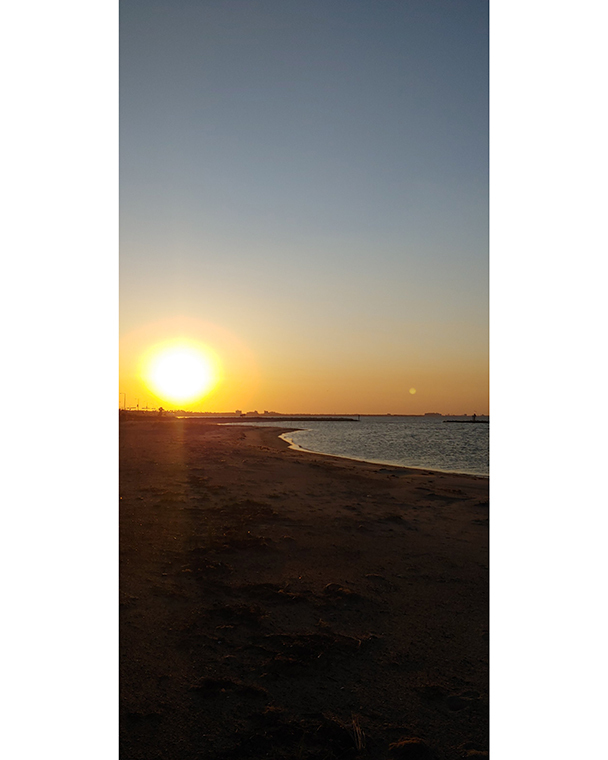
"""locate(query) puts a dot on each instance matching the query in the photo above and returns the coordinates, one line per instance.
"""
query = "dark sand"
(280, 604)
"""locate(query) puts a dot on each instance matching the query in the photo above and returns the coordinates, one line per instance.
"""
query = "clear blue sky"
(308, 175)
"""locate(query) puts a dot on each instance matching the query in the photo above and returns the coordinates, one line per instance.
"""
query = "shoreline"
(280, 603)
(297, 447)
(268, 424)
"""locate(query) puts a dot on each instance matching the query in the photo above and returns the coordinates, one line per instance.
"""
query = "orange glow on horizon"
(292, 380)
(185, 363)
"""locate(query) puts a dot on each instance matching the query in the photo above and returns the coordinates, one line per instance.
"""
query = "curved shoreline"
(383, 462)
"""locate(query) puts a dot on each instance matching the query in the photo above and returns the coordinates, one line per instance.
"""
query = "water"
(425, 442)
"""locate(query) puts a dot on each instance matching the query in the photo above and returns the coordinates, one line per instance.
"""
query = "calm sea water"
(425, 442)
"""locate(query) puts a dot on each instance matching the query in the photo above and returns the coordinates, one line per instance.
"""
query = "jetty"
(470, 422)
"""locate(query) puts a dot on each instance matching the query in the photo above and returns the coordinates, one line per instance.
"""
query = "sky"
(304, 191)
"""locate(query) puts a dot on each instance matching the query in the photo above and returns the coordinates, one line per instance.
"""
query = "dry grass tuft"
(358, 734)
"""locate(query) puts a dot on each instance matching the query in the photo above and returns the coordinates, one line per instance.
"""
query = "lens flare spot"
(412, 391)
(180, 372)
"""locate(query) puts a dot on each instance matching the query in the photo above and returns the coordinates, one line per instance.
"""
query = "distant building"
(238, 412)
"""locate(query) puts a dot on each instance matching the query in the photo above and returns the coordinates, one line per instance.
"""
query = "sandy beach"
(281, 604)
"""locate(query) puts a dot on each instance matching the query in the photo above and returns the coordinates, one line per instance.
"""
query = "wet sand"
(281, 604)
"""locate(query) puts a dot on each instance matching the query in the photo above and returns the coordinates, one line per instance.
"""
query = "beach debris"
(476, 753)
(411, 748)
(334, 589)
(472, 749)
(357, 732)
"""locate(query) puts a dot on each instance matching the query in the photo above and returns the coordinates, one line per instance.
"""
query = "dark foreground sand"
(279, 604)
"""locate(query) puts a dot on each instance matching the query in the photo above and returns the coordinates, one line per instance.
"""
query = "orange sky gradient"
(309, 378)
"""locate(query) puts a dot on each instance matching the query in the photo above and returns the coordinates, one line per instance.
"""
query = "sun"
(180, 372)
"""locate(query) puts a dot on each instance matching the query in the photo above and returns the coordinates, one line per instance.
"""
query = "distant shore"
(141, 414)
(470, 422)
(277, 603)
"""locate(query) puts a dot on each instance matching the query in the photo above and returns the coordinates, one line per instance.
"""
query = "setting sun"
(180, 372)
